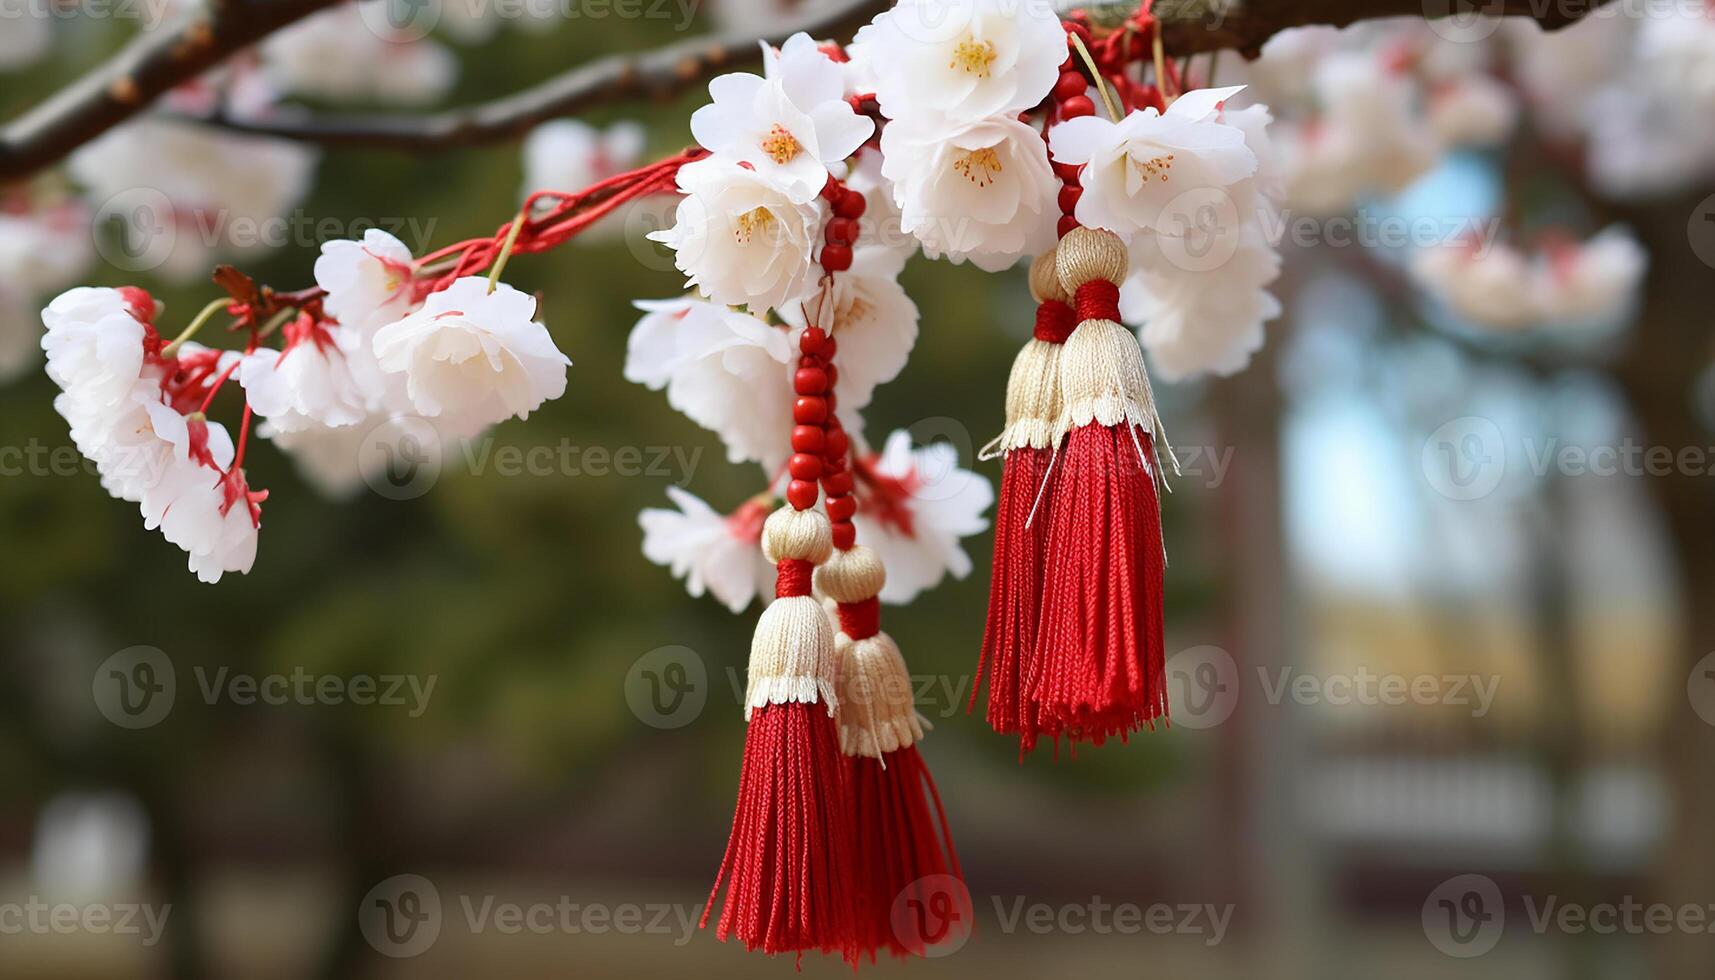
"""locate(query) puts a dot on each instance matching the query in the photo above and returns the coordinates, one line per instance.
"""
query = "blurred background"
(1443, 696)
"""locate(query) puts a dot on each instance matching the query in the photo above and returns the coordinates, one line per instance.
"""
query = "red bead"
(832, 189)
(1068, 172)
(845, 535)
(1069, 198)
(833, 376)
(1076, 106)
(841, 231)
(1070, 84)
(838, 483)
(1067, 223)
(831, 400)
(829, 346)
(842, 507)
(810, 381)
(801, 494)
(811, 360)
(838, 442)
(810, 341)
(809, 439)
(838, 258)
(804, 466)
(850, 205)
(810, 411)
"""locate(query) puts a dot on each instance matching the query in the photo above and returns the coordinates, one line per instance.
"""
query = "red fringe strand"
(1099, 663)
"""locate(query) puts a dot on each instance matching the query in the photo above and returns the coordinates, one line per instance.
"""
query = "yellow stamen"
(780, 145)
(973, 57)
(979, 166)
(751, 222)
(1157, 167)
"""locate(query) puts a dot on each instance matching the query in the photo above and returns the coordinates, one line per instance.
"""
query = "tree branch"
(658, 74)
(151, 65)
(1196, 26)
(146, 68)
(1189, 27)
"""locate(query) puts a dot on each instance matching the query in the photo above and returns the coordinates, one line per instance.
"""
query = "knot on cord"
(1054, 321)
(792, 577)
(1098, 299)
(860, 620)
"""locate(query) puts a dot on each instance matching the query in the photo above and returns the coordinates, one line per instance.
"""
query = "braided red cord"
(1098, 299)
(1055, 321)
(550, 229)
(793, 577)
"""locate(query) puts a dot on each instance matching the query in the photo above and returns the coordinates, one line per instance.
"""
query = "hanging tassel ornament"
(1026, 445)
(1099, 668)
(788, 864)
(911, 892)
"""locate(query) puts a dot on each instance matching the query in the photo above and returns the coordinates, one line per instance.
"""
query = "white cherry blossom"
(1473, 110)
(741, 237)
(307, 384)
(200, 503)
(94, 344)
(1201, 299)
(1138, 168)
(368, 283)
(1592, 282)
(727, 371)
(339, 54)
(1368, 140)
(791, 126)
(1489, 286)
(715, 553)
(914, 506)
(954, 62)
(471, 358)
(982, 192)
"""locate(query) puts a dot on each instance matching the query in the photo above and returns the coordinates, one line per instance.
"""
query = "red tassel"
(1015, 588)
(790, 883)
(1099, 649)
(1033, 404)
(913, 892)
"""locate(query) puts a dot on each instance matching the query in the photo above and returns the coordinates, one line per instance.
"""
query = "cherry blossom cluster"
(1368, 110)
(1565, 282)
(136, 407)
(969, 100)
(973, 132)
(377, 338)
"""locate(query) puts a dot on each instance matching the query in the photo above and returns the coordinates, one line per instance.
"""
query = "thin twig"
(152, 64)
(157, 62)
(1187, 27)
(657, 75)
